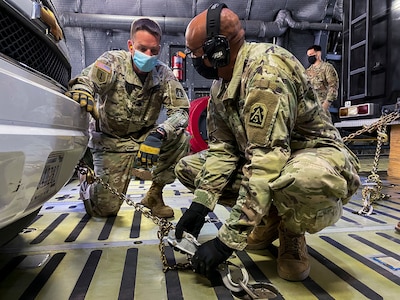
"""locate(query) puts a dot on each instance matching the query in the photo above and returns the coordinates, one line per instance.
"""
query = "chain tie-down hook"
(236, 282)
(369, 191)
(373, 186)
(235, 278)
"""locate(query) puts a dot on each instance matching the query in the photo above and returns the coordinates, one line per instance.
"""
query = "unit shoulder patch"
(258, 113)
(179, 93)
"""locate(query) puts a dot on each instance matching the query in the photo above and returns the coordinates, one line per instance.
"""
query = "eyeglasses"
(190, 53)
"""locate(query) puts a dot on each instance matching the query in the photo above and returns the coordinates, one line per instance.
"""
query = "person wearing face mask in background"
(130, 88)
(323, 78)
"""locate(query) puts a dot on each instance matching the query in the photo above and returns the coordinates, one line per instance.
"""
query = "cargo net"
(22, 44)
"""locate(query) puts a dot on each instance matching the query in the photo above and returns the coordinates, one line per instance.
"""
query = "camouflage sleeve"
(221, 162)
(82, 81)
(176, 103)
(333, 83)
(269, 114)
(97, 77)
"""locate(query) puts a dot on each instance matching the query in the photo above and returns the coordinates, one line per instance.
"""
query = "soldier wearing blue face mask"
(130, 88)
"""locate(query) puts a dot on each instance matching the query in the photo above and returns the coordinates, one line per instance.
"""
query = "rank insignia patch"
(258, 113)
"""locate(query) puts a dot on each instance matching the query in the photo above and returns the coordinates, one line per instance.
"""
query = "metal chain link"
(369, 194)
(164, 225)
(372, 191)
(383, 120)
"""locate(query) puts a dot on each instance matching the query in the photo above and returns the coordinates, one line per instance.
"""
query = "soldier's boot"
(155, 202)
(266, 232)
(293, 261)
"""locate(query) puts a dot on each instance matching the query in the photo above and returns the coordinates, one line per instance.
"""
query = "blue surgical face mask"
(144, 62)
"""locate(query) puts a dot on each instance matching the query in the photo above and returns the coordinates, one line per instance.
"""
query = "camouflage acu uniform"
(128, 111)
(325, 81)
(294, 156)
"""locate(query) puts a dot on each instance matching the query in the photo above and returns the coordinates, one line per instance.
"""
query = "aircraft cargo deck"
(64, 254)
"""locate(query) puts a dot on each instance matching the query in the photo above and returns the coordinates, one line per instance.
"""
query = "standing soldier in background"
(131, 88)
(267, 130)
(323, 78)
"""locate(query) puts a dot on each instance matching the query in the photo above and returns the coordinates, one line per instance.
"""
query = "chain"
(383, 120)
(164, 225)
(372, 191)
(369, 194)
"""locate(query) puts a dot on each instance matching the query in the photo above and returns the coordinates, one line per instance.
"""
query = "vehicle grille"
(21, 43)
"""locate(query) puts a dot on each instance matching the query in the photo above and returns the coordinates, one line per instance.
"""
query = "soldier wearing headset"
(267, 131)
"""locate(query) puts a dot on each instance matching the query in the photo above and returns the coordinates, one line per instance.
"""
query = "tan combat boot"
(266, 232)
(155, 202)
(293, 263)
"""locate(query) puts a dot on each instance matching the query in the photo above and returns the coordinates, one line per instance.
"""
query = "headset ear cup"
(217, 51)
(216, 47)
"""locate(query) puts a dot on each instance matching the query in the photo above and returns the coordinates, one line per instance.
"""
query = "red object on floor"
(196, 126)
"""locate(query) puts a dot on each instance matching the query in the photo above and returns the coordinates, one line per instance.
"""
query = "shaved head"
(230, 27)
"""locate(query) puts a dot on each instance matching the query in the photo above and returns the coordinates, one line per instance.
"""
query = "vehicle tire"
(10, 231)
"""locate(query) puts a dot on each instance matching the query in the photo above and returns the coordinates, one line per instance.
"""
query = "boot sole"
(294, 277)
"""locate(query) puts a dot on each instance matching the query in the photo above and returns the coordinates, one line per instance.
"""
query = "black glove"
(207, 258)
(85, 100)
(192, 220)
(149, 150)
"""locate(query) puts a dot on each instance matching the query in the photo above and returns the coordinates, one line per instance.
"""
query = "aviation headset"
(216, 47)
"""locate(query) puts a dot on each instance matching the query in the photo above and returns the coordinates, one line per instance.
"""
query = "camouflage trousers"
(308, 194)
(188, 167)
(115, 168)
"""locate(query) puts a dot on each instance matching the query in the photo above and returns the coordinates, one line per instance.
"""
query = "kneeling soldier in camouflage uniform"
(131, 88)
(262, 110)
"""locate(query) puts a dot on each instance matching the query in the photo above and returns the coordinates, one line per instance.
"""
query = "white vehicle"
(43, 133)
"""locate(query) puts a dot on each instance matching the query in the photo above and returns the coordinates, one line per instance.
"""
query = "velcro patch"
(260, 113)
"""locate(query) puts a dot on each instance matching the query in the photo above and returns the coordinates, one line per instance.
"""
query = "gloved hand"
(207, 258)
(192, 220)
(149, 150)
(85, 100)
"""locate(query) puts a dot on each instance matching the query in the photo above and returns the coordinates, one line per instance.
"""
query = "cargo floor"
(64, 254)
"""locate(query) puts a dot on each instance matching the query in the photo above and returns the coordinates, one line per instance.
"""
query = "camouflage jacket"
(266, 112)
(128, 107)
(324, 80)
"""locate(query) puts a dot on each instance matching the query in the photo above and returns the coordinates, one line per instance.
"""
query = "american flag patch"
(103, 66)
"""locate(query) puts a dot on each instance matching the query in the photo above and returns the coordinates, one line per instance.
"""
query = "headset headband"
(213, 19)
